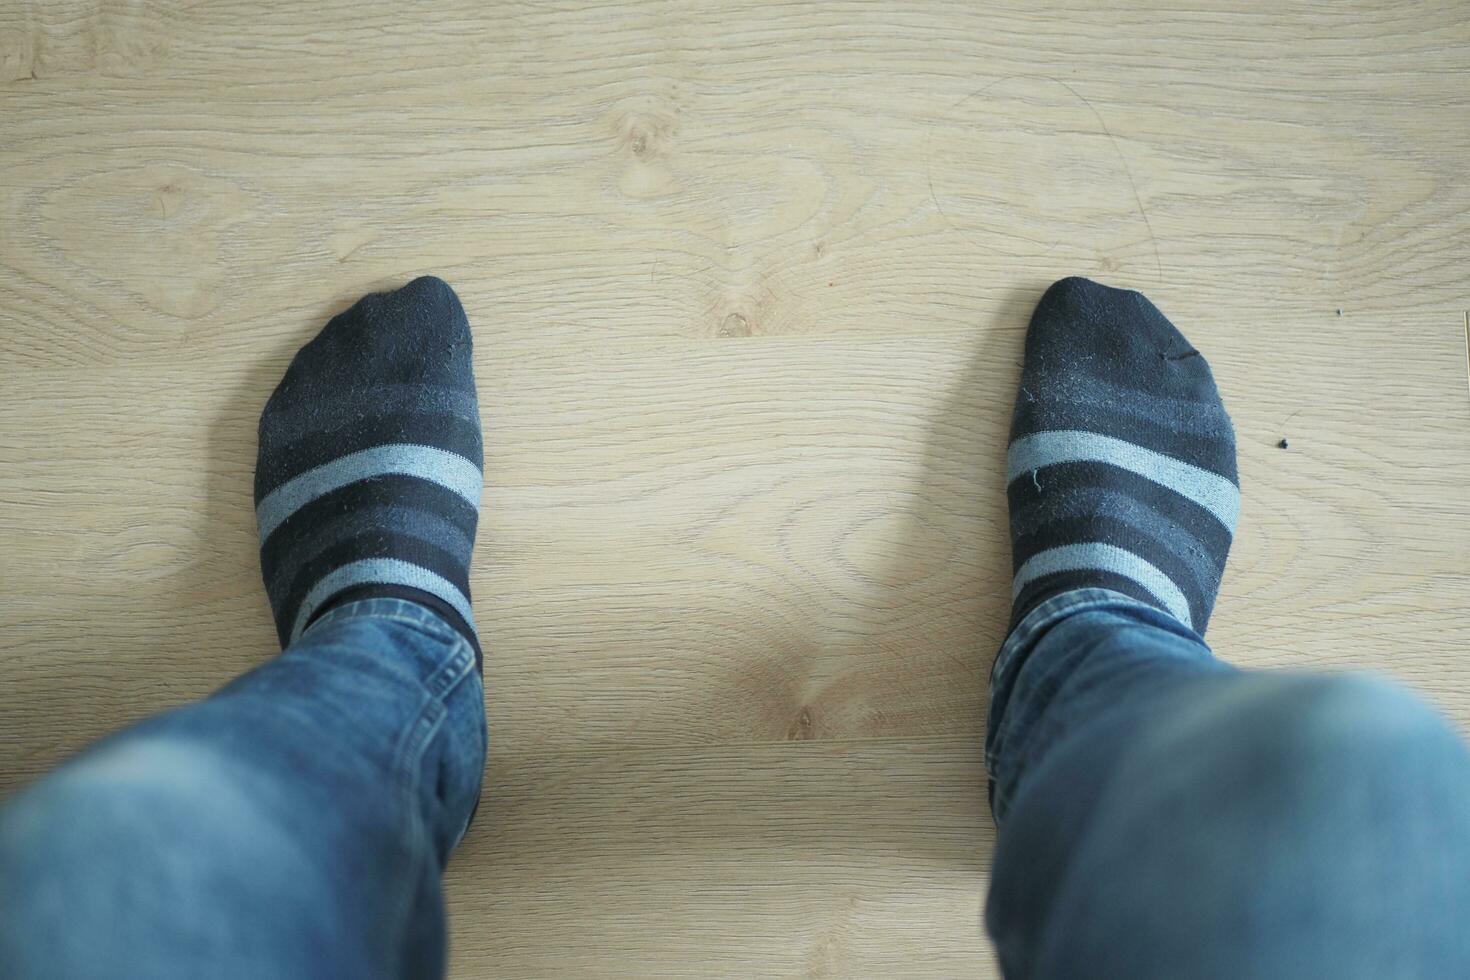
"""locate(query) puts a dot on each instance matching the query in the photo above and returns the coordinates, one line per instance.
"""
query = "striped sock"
(368, 479)
(1121, 468)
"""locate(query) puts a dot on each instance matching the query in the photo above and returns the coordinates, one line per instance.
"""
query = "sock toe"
(416, 334)
(1082, 328)
(1107, 360)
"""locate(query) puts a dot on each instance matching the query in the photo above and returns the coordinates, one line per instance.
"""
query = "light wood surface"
(749, 283)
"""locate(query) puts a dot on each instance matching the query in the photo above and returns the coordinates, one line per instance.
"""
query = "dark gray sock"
(370, 466)
(1121, 470)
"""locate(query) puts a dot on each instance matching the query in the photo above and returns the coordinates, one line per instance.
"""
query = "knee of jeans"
(1353, 720)
(115, 789)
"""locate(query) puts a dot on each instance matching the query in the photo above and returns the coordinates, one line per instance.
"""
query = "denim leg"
(292, 825)
(1164, 815)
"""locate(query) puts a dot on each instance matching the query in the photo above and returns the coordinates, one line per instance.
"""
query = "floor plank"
(814, 858)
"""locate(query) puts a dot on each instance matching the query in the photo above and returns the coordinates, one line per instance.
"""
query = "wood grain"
(749, 282)
(817, 858)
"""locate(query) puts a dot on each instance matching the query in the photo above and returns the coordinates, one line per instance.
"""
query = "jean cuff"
(1035, 624)
(440, 671)
(387, 607)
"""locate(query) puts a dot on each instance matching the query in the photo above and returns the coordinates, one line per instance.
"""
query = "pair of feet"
(1120, 474)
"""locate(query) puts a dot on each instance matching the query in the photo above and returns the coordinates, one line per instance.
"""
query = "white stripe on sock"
(1094, 556)
(439, 466)
(380, 571)
(1041, 449)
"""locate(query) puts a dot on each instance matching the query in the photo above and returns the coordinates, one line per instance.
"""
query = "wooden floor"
(749, 283)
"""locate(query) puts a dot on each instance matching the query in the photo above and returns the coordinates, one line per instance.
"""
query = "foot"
(368, 478)
(1121, 469)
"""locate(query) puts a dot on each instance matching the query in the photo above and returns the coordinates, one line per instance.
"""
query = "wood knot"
(801, 727)
(734, 325)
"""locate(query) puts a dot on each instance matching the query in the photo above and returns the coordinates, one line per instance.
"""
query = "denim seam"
(1014, 657)
(409, 758)
(452, 672)
(418, 734)
(438, 686)
(410, 753)
(484, 747)
(1039, 620)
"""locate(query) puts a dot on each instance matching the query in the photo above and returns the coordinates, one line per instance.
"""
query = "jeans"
(1161, 815)
(293, 825)
(1164, 815)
